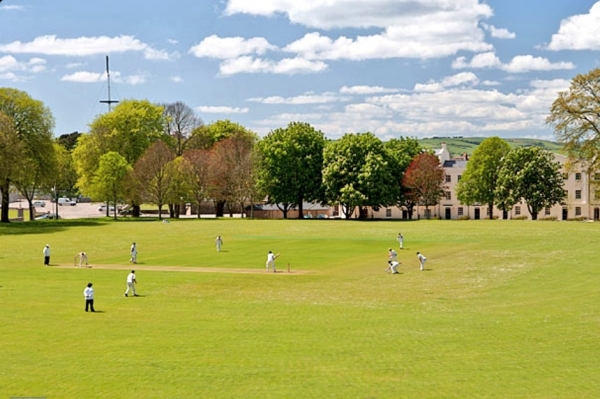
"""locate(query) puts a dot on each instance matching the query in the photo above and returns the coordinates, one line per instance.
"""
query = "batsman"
(271, 261)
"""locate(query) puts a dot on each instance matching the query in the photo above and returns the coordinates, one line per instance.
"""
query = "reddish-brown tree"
(424, 180)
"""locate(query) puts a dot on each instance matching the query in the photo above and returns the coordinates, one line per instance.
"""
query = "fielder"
(393, 266)
(400, 240)
(422, 260)
(133, 252)
(219, 242)
(392, 255)
(131, 282)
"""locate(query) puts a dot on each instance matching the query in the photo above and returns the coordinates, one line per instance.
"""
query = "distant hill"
(459, 145)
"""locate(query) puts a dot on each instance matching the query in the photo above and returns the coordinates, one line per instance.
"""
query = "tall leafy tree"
(180, 123)
(424, 179)
(153, 175)
(206, 136)
(110, 180)
(12, 152)
(357, 172)
(129, 129)
(198, 162)
(575, 117)
(32, 122)
(291, 165)
(231, 171)
(478, 183)
(530, 174)
(402, 151)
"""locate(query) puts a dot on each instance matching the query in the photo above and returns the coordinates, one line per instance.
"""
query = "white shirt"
(394, 264)
(130, 278)
(133, 250)
(88, 293)
(421, 258)
(46, 251)
(270, 258)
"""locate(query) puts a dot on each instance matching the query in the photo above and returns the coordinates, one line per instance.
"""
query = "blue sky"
(417, 68)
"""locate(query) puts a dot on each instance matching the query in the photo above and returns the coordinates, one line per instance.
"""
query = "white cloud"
(177, 79)
(93, 77)
(519, 64)
(366, 90)
(411, 29)
(288, 66)
(578, 32)
(173, 41)
(463, 78)
(82, 46)
(499, 33)
(300, 100)
(84, 77)
(11, 68)
(221, 110)
(12, 7)
(332, 14)
(526, 63)
(230, 47)
(72, 65)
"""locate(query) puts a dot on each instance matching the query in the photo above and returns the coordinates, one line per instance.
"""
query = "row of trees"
(501, 176)
(164, 154)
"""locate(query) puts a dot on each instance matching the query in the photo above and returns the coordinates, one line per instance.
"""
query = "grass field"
(504, 309)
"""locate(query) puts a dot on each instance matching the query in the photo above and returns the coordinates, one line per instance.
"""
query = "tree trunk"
(5, 201)
(135, 211)
(491, 208)
(219, 208)
(300, 210)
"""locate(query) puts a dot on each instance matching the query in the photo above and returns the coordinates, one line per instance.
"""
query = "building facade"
(582, 196)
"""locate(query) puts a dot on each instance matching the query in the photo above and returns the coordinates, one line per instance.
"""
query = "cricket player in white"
(393, 266)
(422, 260)
(133, 252)
(271, 261)
(131, 282)
(400, 240)
(219, 242)
(83, 258)
(392, 255)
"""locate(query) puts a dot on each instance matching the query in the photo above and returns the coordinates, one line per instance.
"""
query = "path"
(185, 269)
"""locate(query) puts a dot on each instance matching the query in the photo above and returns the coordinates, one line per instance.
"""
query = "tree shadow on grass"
(46, 226)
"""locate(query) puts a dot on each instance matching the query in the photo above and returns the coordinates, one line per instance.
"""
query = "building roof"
(455, 163)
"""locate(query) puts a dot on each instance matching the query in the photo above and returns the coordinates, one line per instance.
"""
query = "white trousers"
(130, 286)
(272, 264)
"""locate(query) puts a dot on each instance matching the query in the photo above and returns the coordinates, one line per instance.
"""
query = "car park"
(39, 203)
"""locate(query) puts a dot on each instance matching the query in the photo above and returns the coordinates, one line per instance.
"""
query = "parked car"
(66, 201)
(111, 209)
(39, 203)
(47, 216)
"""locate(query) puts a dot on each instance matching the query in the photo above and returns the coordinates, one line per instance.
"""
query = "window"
(460, 211)
(488, 212)
(566, 193)
(596, 176)
(448, 178)
(388, 213)
(597, 194)
(577, 211)
(448, 195)
(547, 211)
(517, 210)
(577, 176)
(565, 176)
(577, 194)
(459, 177)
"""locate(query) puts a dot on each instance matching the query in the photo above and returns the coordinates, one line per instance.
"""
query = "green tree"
(11, 152)
(129, 129)
(290, 170)
(532, 175)
(66, 175)
(402, 151)
(110, 180)
(199, 164)
(69, 140)
(424, 180)
(575, 116)
(206, 136)
(478, 183)
(32, 122)
(357, 172)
